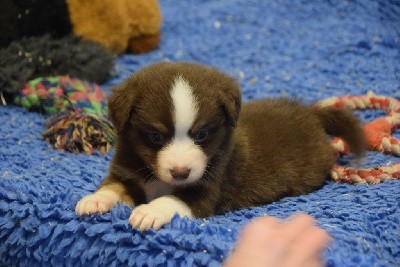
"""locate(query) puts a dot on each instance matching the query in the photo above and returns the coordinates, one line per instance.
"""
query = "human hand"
(266, 241)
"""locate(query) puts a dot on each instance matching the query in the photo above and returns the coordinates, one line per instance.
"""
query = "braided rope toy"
(78, 108)
(55, 94)
(378, 135)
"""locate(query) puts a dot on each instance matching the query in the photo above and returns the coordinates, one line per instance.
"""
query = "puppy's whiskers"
(209, 174)
(210, 166)
(151, 177)
(140, 169)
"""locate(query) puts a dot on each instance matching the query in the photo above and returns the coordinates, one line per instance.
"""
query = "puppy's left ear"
(121, 102)
(231, 100)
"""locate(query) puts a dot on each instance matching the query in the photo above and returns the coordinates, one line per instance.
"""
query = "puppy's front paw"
(99, 202)
(158, 212)
(148, 216)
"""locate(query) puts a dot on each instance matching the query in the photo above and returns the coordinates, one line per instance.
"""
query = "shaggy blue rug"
(308, 49)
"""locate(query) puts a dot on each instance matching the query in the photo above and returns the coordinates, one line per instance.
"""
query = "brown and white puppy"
(184, 147)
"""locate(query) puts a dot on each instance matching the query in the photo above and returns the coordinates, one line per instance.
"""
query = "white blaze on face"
(182, 152)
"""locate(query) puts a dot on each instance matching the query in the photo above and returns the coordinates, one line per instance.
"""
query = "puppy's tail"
(342, 123)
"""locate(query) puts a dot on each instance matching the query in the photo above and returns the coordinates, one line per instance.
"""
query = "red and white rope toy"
(378, 135)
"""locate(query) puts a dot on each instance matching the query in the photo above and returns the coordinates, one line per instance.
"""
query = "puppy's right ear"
(230, 98)
(120, 104)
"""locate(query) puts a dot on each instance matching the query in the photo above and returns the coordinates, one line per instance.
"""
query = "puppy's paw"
(99, 202)
(158, 212)
(148, 216)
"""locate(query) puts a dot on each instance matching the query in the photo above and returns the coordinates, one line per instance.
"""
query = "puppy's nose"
(180, 173)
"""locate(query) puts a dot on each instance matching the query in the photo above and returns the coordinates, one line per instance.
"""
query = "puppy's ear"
(231, 101)
(120, 104)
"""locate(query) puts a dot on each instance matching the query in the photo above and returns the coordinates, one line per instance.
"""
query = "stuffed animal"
(119, 25)
(41, 38)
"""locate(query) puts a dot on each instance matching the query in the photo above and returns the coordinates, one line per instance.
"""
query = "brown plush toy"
(119, 25)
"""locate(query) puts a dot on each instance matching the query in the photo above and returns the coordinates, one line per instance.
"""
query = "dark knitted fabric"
(33, 57)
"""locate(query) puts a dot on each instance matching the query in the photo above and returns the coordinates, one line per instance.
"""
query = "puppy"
(186, 145)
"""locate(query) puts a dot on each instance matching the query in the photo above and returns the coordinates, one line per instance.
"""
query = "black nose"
(180, 173)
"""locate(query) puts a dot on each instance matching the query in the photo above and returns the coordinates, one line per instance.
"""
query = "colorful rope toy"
(61, 93)
(79, 123)
(378, 135)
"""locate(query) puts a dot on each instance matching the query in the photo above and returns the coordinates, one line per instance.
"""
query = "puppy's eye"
(201, 136)
(156, 138)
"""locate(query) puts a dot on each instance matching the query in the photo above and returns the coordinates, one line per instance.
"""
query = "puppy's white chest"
(156, 188)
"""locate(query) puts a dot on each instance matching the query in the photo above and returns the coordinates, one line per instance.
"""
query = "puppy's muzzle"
(180, 173)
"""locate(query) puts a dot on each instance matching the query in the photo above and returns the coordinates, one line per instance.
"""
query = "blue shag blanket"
(300, 48)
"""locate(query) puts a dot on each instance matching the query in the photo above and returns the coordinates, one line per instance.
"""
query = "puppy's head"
(174, 118)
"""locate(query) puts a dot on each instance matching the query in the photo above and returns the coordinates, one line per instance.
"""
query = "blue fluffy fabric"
(308, 49)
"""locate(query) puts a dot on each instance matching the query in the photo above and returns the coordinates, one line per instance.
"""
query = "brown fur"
(144, 43)
(275, 148)
(115, 23)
